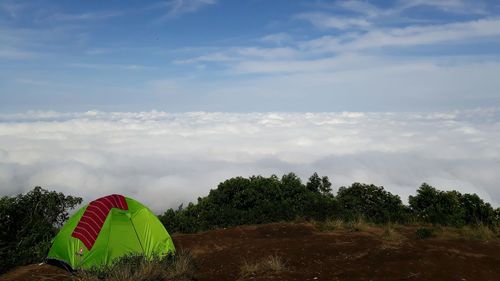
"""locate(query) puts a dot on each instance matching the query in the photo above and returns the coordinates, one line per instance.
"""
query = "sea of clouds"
(165, 159)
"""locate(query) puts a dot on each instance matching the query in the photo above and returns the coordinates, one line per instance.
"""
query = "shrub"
(424, 233)
(254, 200)
(27, 224)
(451, 207)
(371, 202)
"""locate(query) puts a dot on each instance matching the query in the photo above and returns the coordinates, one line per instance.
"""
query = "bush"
(254, 200)
(370, 202)
(28, 223)
(424, 233)
(451, 207)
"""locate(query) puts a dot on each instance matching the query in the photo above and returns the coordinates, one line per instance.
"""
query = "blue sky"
(246, 56)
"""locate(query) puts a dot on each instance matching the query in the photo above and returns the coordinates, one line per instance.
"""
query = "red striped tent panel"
(95, 215)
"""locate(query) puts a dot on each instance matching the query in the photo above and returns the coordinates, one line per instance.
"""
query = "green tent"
(106, 229)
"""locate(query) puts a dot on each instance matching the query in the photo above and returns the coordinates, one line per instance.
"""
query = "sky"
(162, 100)
(249, 56)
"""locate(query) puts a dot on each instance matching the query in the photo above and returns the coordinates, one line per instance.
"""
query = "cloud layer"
(165, 159)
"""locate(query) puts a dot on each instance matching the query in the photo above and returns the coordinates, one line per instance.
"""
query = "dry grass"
(480, 232)
(337, 224)
(391, 234)
(270, 264)
(85, 276)
(137, 268)
(330, 225)
(357, 225)
(182, 266)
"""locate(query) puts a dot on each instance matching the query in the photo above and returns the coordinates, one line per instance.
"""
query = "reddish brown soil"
(313, 255)
(339, 255)
(38, 272)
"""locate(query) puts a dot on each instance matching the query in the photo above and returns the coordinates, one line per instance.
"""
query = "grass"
(332, 224)
(329, 225)
(479, 232)
(388, 233)
(469, 232)
(138, 268)
(269, 264)
(391, 234)
(356, 225)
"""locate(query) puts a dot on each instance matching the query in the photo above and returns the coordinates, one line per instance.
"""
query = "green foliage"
(451, 207)
(476, 211)
(370, 202)
(254, 200)
(424, 233)
(258, 199)
(319, 184)
(28, 223)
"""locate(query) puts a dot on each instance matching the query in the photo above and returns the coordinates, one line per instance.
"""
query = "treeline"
(257, 200)
(28, 222)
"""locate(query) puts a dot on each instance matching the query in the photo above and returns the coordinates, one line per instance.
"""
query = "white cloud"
(452, 6)
(177, 8)
(111, 66)
(323, 20)
(235, 54)
(361, 7)
(92, 16)
(276, 38)
(402, 7)
(165, 159)
(98, 51)
(409, 36)
(15, 54)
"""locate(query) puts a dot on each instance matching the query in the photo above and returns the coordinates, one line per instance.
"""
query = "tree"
(319, 184)
(370, 202)
(326, 185)
(314, 183)
(28, 223)
(450, 207)
(253, 200)
(476, 211)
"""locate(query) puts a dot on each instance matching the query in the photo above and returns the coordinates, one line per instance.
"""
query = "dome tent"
(106, 229)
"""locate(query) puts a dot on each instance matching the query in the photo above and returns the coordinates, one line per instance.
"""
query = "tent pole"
(137, 235)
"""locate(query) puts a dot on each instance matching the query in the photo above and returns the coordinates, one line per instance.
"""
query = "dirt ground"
(312, 255)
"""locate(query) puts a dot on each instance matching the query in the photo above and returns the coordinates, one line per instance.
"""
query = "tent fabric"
(129, 228)
(93, 218)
